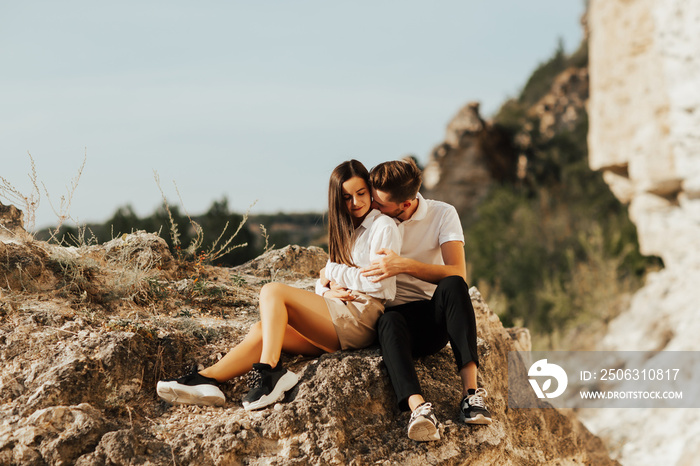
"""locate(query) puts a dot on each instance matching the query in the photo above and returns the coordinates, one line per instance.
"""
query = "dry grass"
(62, 212)
(266, 237)
(27, 203)
(218, 248)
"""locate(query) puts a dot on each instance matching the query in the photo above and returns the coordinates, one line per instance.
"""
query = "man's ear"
(406, 204)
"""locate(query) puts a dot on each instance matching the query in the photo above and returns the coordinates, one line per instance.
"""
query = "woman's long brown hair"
(340, 227)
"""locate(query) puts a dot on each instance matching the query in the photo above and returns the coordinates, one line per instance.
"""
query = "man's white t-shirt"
(431, 225)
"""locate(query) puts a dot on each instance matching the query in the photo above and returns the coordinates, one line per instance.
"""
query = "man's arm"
(392, 264)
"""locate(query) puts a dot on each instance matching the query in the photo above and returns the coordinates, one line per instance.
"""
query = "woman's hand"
(322, 277)
(340, 293)
(334, 286)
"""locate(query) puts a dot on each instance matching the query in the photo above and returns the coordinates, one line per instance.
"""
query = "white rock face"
(645, 117)
(644, 114)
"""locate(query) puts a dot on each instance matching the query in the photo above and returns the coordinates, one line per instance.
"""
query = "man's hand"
(341, 293)
(334, 286)
(387, 266)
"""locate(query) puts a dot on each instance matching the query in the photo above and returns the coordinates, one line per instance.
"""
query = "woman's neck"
(357, 221)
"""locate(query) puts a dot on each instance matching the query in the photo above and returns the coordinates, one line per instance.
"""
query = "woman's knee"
(272, 291)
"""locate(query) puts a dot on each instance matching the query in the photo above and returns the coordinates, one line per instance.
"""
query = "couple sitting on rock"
(396, 273)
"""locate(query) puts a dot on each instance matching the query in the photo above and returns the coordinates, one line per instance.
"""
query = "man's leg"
(404, 331)
(454, 311)
(396, 340)
(422, 328)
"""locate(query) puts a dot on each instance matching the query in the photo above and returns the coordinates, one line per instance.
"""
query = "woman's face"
(357, 197)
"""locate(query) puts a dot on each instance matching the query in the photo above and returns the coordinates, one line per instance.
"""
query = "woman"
(301, 322)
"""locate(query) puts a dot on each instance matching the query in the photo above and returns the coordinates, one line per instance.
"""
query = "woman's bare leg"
(304, 311)
(240, 359)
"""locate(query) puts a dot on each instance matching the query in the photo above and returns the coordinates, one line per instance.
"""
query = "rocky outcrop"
(474, 155)
(11, 224)
(477, 153)
(562, 108)
(645, 135)
(77, 385)
(290, 260)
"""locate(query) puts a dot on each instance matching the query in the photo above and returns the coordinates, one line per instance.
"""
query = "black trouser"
(421, 328)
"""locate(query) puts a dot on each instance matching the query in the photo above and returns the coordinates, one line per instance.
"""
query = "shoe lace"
(423, 410)
(255, 378)
(477, 398)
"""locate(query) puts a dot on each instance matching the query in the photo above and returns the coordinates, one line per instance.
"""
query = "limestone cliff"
(645, 134)
(645, 118)
(86, 332)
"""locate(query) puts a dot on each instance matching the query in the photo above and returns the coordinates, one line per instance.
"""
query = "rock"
(144, 250)
(23, 263)
(478, 153)
(121, 265)
(475, 154)
(564, 105)
(55, 435)
(24, 267)
(521, 338)
(644, 115)
(78, 387)
(467, 122)
(12, 225)
(291, 260)
(343, 410)
(128, 447)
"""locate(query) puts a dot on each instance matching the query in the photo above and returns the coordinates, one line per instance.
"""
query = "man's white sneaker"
(423, 425)
(472, 409)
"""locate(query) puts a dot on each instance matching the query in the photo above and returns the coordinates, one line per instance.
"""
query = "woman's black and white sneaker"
(268, 385)
(192, 388)
(423, 425)
(473, 408)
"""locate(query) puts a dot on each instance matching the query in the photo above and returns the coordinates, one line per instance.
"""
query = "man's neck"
(408, 213)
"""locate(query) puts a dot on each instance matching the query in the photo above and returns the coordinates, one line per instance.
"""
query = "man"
(432, 304)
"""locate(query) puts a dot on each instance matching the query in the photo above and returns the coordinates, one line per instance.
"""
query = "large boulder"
(78, 386)
(291, 260)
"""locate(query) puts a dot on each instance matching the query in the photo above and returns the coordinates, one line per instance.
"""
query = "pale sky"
(249, 100)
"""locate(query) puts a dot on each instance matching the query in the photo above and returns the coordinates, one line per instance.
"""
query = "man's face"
(381, 202)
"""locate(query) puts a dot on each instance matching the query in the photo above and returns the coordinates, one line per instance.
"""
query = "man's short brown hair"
(401, 179)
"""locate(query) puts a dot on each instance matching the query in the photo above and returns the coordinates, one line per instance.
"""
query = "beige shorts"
(355, 321)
